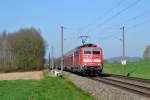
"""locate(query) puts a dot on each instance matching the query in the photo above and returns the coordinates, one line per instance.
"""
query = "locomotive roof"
(87, 45)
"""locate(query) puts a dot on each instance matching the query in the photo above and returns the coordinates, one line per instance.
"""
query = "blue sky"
(99, 19)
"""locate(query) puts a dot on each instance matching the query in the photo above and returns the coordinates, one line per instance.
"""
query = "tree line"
(23, 50)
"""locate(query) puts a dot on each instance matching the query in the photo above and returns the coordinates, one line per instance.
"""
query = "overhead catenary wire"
(74, 31)
(135, 17)
(70, 38)
(132, 19)
(138, 16)
(106, 13)
(78, 30)
(138, 24)
(133, 26)
(116, 14)
(129, 28)
(114, 36)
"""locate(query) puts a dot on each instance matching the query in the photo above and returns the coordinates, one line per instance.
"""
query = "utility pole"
(52, 58)
(62, 49)
(49, 62)
(123, 50)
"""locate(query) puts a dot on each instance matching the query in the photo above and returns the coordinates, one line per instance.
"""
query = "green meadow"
(139, 69)
(49, 88)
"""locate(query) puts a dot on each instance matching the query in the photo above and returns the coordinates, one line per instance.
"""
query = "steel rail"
(141, 90)
(129, 78)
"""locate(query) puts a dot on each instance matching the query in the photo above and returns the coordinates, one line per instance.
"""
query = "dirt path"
(35, 75)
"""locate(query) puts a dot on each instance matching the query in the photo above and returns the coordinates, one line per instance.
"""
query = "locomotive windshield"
(87, 52)
(95, 52)
(90, 51)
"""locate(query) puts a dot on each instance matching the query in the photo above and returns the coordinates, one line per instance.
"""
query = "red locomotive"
(86, 59)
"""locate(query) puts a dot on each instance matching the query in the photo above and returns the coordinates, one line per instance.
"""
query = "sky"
(101, 20)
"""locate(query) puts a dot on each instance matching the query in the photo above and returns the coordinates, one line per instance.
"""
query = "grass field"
(49, 88)
(139, 69)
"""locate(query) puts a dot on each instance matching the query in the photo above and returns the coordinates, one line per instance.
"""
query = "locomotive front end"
(91, 60)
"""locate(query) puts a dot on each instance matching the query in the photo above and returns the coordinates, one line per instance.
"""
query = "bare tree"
(22, 50)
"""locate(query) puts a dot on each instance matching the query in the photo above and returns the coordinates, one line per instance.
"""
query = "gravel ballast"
(100, 90)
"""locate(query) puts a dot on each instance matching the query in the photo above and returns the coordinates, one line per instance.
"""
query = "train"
(86, 59)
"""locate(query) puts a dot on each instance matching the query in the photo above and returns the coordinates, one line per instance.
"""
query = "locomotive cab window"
(95, 52)
(87, 52)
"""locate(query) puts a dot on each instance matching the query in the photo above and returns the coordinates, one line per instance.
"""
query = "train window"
(87, 52)
(96, 52)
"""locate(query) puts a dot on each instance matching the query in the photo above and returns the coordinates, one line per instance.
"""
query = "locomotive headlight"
(86, 60)
(97, 60)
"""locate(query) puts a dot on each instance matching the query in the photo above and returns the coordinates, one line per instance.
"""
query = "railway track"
(132, 80)
(134, 85)
(129, 78)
